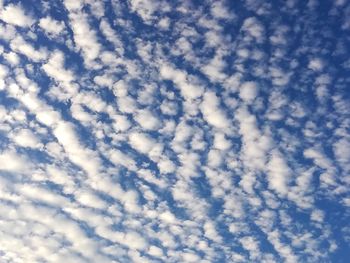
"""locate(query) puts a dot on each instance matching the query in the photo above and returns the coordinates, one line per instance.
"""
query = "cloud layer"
(155, 131)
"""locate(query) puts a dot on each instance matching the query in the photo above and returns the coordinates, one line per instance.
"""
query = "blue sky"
(174, 131)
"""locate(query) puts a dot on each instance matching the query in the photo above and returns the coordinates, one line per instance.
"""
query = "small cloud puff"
(141, 142)
(316, 64)
(26, 138)
(12, 162)
(248, 91)
(51, 26)
(15, 15)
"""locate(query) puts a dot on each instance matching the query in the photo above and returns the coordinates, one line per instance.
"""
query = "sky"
(153, 131)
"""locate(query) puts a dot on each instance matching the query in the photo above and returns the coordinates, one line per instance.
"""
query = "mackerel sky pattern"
(174, 131)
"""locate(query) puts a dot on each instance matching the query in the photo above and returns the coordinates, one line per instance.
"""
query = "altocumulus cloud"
(186, 131)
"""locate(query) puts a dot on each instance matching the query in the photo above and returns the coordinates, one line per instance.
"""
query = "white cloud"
(248, 91)
(346, 201)
(147, 149)
(220, 11)
(78, 154)
(164, 23)
(317, 215)
(73, 5)
(51, 26)
(15, 15)
(190, 257)
(341, 149)
(126, 104)
(19, 45)
(97, 8)
(214, 69)
(80, 114)
(57, 175)
(48, 116)
(180, 78)
(26, 138)
(147, 120)
(119, 158)
(214, 158)
(121, 123)
(111, 36)
(141, 142)
(255, 144)
(316, 64)
(155, 251)
(221, 142)
(12, 58)
(3, 73)
(55, 68)
(253, 27)
(166, 166)
(278, 173)
(104, 80)
(37, 193)
(249, 243)
(167, 217)
(212, 112)
(84, 36)
(12, 162)
(210, 232)
(90, 199)
(169, 108)
(134, 241)
(146, 8)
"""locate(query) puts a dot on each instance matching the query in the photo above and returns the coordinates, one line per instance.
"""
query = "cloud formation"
(153, 131)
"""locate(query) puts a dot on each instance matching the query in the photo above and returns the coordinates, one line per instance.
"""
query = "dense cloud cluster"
(174, 131)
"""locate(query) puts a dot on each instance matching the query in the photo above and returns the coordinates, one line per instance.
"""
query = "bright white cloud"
(141, 142)
(278, 173)
(55, 68)
(84, 37)
(51, 26)
(248, 91)
(212, 112)
(12, 162)
(12, 58)
(15, 15)
(19, 45)
(180, 78)
(26, 138)
(147, 120)
(150, 131)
